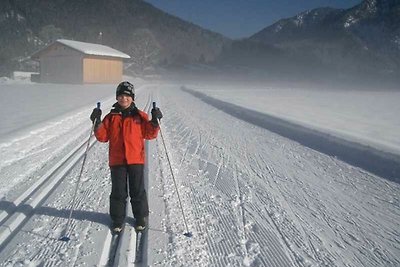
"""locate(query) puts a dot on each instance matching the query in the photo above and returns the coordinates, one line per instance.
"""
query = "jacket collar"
(131, 110)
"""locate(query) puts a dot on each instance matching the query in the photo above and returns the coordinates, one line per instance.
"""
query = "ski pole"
(64, 236)
(187, 234)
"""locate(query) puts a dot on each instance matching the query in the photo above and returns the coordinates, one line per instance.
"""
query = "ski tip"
(188, 234)
(64, 238)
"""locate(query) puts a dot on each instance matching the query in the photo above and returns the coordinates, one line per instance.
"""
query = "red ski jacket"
(126, 136)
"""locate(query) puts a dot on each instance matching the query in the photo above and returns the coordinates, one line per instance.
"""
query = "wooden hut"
(66, 61)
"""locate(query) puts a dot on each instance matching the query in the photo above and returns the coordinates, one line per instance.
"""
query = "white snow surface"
(250, 197)
(93, 49)
(370, 117)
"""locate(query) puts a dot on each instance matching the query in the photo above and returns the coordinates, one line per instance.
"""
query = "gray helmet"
(126, 88)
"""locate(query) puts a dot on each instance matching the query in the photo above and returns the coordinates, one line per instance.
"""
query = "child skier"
(125, 128)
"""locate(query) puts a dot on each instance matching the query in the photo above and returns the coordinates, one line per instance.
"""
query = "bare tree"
(143, 49)
(50, 33)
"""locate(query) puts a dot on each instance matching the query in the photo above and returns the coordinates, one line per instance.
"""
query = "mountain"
(361, 44)
(135, 27)
(364, 39)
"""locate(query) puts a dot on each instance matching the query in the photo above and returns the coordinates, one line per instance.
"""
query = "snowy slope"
(250, 196)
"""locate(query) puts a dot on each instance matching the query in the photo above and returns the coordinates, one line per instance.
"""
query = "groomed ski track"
(21, 212)
(251, 198)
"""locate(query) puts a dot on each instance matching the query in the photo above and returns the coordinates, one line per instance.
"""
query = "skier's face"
(124, 101)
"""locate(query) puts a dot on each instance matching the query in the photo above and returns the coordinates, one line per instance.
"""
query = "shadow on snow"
(91, 216)
(383, 164)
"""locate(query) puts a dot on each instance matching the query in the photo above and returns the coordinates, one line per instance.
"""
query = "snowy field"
(251, 197)
(366, 116)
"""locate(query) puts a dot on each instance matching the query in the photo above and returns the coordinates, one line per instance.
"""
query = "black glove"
(96, 116)
(156, 115)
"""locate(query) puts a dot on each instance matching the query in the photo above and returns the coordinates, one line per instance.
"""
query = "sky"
(241, 18)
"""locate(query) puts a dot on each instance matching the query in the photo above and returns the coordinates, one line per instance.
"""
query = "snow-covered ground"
(250, 196)
(366, 116)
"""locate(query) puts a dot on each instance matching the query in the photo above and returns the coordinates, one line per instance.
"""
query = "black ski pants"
(122, 178)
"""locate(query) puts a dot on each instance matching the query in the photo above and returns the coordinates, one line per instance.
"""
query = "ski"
(115, 240)
(140, 239)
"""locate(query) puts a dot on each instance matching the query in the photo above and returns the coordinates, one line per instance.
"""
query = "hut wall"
(102, 70)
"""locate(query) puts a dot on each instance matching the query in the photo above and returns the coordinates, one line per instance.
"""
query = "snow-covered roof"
(91, 49)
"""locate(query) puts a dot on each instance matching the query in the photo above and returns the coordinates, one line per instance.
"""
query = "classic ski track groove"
(38, 193)
(39, 183)
(12, 222)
